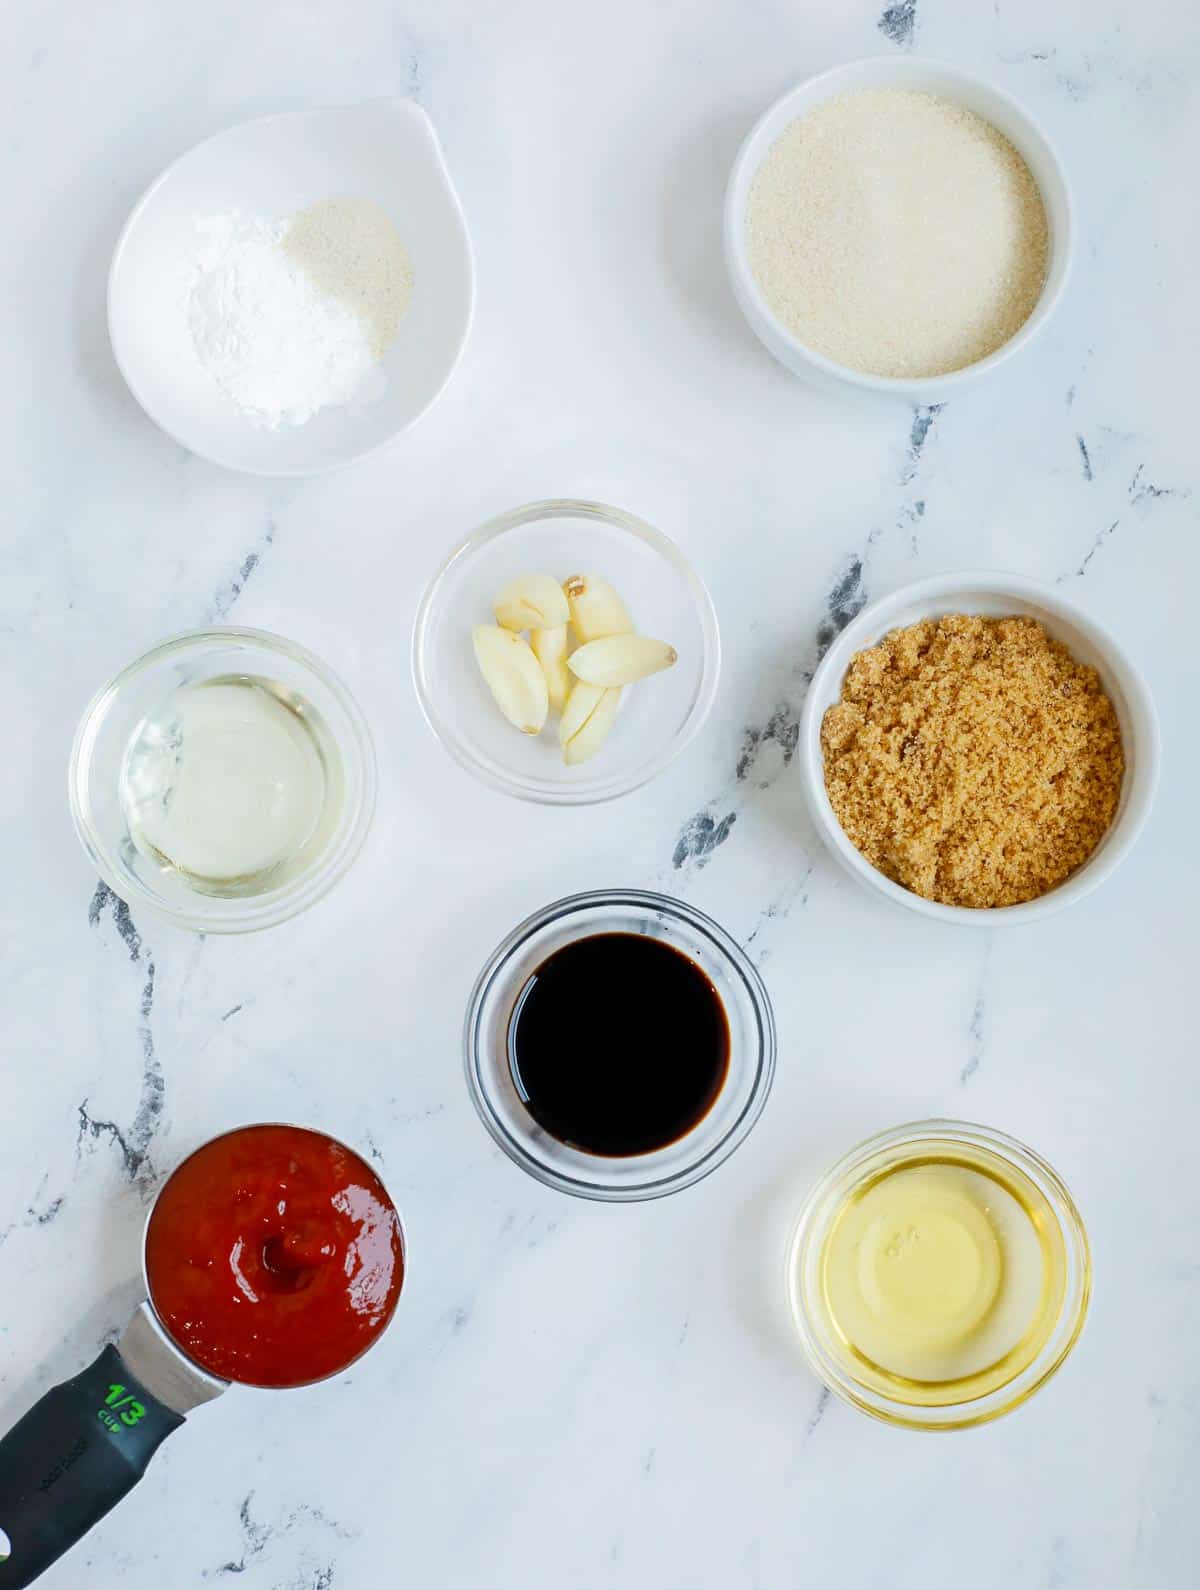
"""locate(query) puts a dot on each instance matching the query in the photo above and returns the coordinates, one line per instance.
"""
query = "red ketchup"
(274, 1256)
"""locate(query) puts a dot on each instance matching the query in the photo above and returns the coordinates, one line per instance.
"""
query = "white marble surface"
(570, 1394)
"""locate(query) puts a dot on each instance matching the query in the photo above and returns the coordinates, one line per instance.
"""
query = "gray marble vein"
(977, 1026)
(899, 23)
(40, 1211)
(919, 437)
(1098, 541)
(289, 1536)
(818, 1412)
(232, 588)
(133, 1142)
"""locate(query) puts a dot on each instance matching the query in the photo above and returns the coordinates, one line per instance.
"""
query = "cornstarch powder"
(897, 233)
(291, 316)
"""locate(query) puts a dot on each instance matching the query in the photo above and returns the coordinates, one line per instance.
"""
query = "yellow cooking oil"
(942, 1276)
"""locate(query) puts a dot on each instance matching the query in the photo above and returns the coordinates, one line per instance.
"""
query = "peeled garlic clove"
(549, 646)
(592, 736)
(581, 703)
(620, 660)
(596, 609)
(514, 676)
(531, 601)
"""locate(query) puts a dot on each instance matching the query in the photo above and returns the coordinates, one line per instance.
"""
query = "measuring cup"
(89, 1440)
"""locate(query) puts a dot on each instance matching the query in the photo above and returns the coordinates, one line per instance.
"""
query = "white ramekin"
(922, 76)
(996, 595)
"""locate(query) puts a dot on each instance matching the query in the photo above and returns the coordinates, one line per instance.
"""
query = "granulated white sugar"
(897, 233)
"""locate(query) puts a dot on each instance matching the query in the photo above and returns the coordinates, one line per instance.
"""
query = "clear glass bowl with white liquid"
(225, 780)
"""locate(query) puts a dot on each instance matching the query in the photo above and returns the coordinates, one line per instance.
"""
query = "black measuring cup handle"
(72, 1458)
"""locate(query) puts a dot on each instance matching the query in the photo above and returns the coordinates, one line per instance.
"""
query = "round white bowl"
(385, 150)
(997, 596)
(665, 597)
(920, 76)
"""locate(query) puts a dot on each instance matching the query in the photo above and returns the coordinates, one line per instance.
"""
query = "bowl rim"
(1143, 758)
(994, 1404)
(540, 791)
(213, 455)
(741, 966)
(762, 318)
(143, 898)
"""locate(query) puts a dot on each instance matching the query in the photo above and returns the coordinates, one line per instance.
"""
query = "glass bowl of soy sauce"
(619, 1045)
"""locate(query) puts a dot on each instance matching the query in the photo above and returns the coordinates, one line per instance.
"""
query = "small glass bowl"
(829, 1355)
(666, 599)
(638, 1176)
(112, 718)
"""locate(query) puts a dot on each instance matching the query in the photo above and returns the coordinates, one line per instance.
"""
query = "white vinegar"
(229, 785)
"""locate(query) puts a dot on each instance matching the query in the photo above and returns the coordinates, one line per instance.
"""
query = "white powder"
(897, 233)
(350, 249)
(291, 316)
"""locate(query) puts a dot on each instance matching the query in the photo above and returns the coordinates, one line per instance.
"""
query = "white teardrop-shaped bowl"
(385, 150)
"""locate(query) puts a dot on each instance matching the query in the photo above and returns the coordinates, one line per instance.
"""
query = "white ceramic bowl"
(922, 76)
(665, 597)
(996, 595)
(385, 150)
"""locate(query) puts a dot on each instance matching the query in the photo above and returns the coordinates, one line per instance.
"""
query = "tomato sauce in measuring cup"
(274, 1256)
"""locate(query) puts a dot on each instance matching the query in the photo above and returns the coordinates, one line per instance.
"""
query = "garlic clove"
(549, 646)
(620, 660)
(514, 676)
(596, 609)
(588, 740)
(581, 703)
(531, 601)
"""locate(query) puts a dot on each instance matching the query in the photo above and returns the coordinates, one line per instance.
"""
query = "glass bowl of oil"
(938, 1275)
(225, 780)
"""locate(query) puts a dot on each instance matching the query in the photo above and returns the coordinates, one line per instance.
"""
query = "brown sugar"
(973, 760)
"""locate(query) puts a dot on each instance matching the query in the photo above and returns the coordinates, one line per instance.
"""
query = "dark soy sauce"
(618, 1044)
